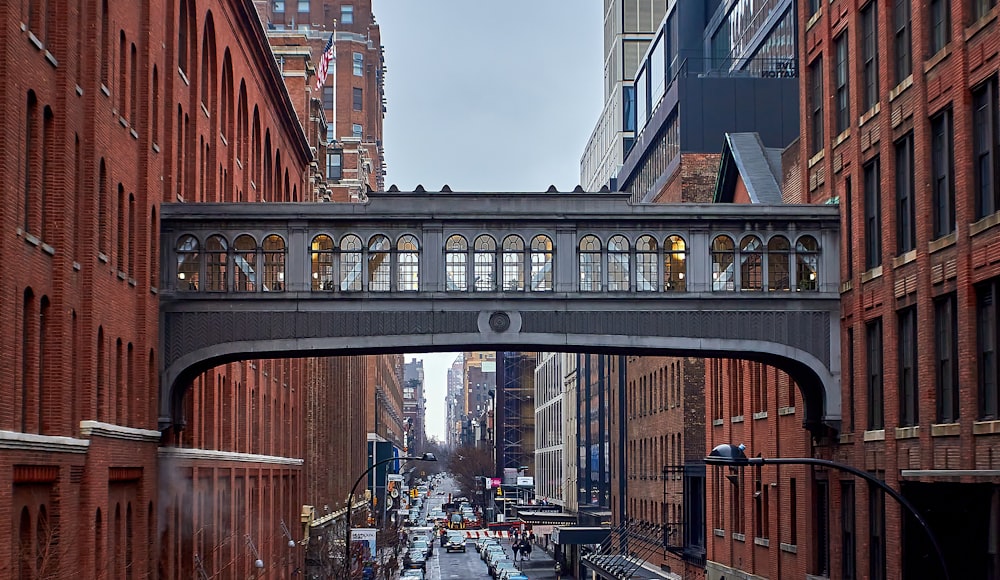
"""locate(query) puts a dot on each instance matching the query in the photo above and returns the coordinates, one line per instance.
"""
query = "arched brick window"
(542, 251)
(120, 229)
(244, 264)
(31, 158)
(133, 85)
(207, 87)
(484, 264)
(619, 276)
(254, 159)
(274, 263)
(646, 259)
(350, 263)
(48, 151)
(408, 263)
(105, 43)
(513, 264)
(723, 261)
(456, 256)
(807, 264)
(241, 127)
(323, 273)
(183, 32)
(266, 193)
(215, 263)
(122, 74)
(751, 264)
(778, 250)
(590, 264)
(379, 264)
(226, 97)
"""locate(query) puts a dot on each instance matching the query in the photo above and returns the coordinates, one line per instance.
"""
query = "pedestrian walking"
(526, 550)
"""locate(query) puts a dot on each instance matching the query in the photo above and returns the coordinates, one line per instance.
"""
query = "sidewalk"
(540, 566)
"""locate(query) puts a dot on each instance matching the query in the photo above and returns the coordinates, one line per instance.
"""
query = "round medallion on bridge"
(499, 321)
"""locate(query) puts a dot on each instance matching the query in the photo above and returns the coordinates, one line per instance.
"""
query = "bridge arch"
(818, 384)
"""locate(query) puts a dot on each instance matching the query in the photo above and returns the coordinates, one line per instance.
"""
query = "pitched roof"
(744, 155)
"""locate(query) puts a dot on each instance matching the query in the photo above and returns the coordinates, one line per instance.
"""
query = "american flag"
(324, 63)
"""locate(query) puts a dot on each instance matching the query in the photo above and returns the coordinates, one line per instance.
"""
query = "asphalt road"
(468, 565)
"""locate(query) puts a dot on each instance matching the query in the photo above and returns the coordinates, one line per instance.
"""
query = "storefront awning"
(567, 535)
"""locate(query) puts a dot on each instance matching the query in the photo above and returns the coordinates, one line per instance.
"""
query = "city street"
(468, 565)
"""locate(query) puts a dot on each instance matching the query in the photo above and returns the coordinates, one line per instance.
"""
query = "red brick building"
(113, 107)
(664, 447)
(353, 96)
(899, 110)
(755, 516)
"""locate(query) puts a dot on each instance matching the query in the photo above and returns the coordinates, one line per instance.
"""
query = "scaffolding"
(516, 403)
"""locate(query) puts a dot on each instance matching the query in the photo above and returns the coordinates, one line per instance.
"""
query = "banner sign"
(362, 549)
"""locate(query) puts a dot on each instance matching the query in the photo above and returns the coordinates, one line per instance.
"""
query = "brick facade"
(900, 421)
(107, 117)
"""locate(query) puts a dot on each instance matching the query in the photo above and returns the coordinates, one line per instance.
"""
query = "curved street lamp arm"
(350, 504)
(853, 471)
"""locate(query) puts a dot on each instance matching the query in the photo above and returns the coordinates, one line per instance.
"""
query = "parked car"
(412, 574)
(415, 559)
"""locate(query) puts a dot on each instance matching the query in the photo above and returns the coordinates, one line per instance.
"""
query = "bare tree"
(468, 463)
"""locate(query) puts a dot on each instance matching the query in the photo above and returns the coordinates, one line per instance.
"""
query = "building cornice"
(110, 431)
(247, 14)
(17, 441)
(214, 455)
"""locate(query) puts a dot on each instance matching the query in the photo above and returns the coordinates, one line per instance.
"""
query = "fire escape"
(633, 542)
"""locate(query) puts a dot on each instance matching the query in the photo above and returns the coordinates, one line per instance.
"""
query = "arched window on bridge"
(456, 257)
(188, 263)
(674, 264)
(590, 264)
(513, 264)
(350, 263)
(323, 274)
(645, 264)
(541, 263)
(216, 258)
(778, 250)
(244, 264)
(408, 263)
(274, 263)
(618, 264)
(751, 264)
(485, 264)
(723, 259)
(807, 264)
(379, 265)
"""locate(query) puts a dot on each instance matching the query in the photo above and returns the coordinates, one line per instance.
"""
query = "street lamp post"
(350, 501)
(734, 456)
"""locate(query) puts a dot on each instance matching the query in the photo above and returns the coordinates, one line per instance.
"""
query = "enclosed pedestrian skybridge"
(423, 272)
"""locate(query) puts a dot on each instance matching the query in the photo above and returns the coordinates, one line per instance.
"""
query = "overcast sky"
(487, 95)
